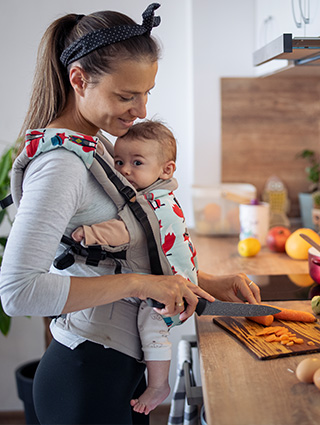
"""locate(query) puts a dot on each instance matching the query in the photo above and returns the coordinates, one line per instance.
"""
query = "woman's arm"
(88, 292)
(54, 190)
(226, 288)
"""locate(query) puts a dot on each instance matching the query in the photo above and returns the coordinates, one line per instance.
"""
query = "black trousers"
(87, 385)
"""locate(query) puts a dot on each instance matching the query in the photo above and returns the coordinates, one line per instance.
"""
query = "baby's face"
(138, 161)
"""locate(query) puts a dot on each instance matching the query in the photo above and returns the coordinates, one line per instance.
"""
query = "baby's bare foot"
(150, 399)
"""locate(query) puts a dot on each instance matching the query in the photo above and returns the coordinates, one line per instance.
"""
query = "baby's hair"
(157, 132)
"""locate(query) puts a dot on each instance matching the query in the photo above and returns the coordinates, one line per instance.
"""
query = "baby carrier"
(133, 208)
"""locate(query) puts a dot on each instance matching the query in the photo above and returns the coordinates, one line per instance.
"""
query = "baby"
(145, 155)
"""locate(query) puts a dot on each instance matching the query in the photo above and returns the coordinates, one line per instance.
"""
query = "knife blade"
(310, 241)
(223, 308)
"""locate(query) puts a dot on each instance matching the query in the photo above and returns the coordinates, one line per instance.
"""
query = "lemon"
(249, 247)
(296, 247)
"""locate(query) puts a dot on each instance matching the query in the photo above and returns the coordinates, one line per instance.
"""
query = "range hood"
(301, 55)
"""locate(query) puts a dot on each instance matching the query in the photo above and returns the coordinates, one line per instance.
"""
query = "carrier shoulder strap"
(6, 202)
(129, 195)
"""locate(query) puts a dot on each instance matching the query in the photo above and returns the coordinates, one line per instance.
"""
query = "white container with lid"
(216, 208)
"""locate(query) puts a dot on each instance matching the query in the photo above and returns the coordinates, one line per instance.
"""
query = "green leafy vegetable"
(315, 304)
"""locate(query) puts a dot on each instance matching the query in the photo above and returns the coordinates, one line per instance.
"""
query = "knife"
(310, 241)
(223, 308)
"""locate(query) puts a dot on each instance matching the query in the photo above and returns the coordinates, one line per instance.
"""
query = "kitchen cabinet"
(274, 18)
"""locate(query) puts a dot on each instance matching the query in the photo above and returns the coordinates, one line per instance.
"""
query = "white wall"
(202, 41)
(23, 23)
(223, 46)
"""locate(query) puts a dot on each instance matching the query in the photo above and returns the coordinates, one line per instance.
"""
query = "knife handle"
(200, 306)
(199, 309)
(153, 303)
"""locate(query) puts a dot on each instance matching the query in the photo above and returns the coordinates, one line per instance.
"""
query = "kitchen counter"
(219, 255)
(240, 389)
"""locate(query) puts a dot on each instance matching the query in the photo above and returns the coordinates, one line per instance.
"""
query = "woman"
(93, 72)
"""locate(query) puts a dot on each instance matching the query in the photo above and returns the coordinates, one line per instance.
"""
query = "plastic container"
(254, 221)
(214, 214)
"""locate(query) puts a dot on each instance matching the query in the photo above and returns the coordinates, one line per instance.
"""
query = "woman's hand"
(172, 291)
(226, 288)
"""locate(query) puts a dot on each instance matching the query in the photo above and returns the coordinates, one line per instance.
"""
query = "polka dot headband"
(106, 36)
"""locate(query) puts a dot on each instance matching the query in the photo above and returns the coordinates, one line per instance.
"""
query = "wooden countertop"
(239, 389)
(219, 255)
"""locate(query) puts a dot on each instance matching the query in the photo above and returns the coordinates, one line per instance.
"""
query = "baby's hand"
(78, 234)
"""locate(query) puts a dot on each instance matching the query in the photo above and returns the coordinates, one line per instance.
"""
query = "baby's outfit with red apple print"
(175, 240)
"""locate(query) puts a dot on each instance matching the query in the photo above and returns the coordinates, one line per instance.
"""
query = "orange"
(249, 247)
(212, 212)
(296, 247)
(302, 279)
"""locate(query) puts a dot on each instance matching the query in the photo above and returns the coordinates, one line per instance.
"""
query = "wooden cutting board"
(245, 331)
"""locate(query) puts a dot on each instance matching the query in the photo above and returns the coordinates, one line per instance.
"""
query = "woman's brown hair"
(51, 81)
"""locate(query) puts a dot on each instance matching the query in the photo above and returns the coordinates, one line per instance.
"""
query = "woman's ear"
(78, 80)
(167, 170)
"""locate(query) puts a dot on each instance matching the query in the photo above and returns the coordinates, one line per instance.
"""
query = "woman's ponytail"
(51, 82)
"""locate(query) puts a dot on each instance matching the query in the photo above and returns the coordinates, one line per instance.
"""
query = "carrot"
(268, 330)
(279, 334)
(263, 320)
(283, 337)
(283, 331)
(294, 315)
(270, 338)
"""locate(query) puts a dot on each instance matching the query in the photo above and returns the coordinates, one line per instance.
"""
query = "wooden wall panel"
(265, 123)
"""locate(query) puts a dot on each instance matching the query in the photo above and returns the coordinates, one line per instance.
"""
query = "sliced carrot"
(284, 337)
(280, 334)
(263, 320)
(294, 315)
(310, 343)
(283, 331)
(298, 340)
(270, 338)
(267, 330)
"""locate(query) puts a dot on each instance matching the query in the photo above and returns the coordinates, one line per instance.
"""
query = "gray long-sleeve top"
(59, 194)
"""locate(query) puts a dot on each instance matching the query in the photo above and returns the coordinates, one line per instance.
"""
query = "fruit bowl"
(314, 264)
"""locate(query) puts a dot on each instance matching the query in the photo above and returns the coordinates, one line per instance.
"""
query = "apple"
(277, 237)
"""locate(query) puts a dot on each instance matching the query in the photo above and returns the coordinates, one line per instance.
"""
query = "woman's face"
(118, 99)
